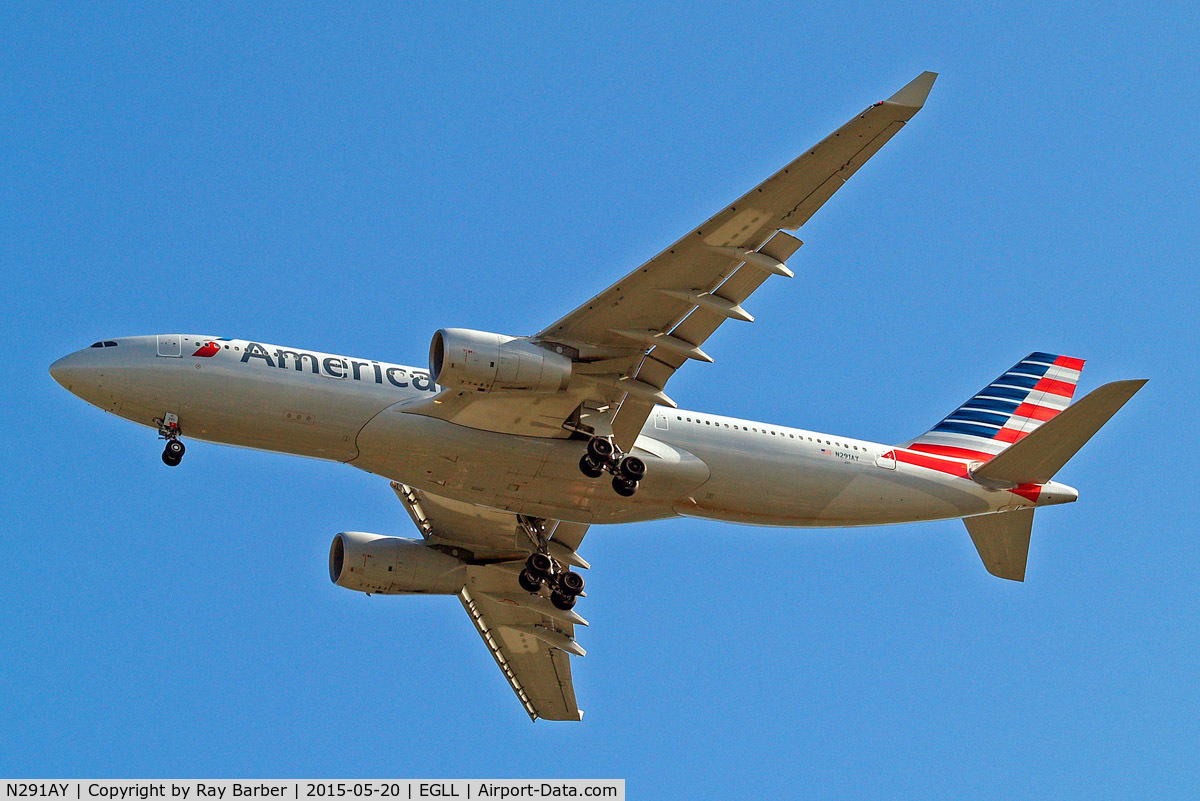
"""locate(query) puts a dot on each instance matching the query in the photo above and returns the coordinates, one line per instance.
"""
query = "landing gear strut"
(168, 429)
(543, 570)
(602, 455)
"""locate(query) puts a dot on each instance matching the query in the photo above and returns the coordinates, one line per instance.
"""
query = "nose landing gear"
(602, 455)
(168, 429)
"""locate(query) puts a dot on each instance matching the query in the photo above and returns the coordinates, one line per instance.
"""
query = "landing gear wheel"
(601, 450)
(589, 467)
(632, 468)
(175, 449)
(169, 460)
(624, 487)
(540, 565)
(570, 583)
(528, 581)
(561, 601)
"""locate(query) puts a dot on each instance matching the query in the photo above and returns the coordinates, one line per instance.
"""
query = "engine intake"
(484, 362)
(393, 565)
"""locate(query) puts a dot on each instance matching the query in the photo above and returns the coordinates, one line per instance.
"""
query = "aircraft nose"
(69, 369)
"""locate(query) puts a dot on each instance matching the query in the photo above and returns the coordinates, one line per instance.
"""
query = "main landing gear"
(603, 456)
(542, 569)
(168, 429)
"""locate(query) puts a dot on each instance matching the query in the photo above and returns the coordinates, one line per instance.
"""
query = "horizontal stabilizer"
(1036, 458)
(1002, 540)
(914, 93)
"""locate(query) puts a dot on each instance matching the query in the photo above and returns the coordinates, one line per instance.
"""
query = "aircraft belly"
(775, 488)
(305, 415)
(531, 475)
(909, 494)
(763, 488)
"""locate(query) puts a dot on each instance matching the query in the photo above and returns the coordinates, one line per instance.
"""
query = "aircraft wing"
(630, 339)
(669, 306)
(528, 637)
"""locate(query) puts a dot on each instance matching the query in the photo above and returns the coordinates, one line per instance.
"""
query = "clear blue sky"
(352, 180)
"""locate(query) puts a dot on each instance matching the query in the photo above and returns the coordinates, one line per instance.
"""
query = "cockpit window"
(108, 343)
(97, 344)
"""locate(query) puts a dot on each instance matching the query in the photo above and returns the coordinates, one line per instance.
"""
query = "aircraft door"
(169, 345)
(886, 460)
(660, 421)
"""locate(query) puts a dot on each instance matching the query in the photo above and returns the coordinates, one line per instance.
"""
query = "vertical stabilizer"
(1007, 410)
(1002, 541)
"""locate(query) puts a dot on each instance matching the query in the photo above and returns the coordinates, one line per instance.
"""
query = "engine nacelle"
(393, 565)
(483, 362)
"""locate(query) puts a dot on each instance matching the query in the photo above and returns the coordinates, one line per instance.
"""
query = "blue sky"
(352, 180)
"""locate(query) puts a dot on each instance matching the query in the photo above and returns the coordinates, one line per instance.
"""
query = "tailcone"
(1055, 493)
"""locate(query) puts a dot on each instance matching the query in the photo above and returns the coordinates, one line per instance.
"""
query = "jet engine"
(483, 362)
(393, 565)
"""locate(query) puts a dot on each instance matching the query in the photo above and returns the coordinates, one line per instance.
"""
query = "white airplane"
(498, 450)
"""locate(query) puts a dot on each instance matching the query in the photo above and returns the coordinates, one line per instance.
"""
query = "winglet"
(915, 91)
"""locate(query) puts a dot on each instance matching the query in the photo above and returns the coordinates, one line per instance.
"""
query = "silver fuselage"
(354, 411)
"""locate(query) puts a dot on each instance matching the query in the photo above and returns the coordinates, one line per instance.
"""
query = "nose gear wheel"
(168, 429)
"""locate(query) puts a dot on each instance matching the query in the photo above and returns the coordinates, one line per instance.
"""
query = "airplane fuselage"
(326, 406)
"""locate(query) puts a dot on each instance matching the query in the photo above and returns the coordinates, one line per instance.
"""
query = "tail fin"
(1002, 539)
(1006, 411)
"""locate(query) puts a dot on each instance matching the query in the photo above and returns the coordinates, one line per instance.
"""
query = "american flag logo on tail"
(1033, 391)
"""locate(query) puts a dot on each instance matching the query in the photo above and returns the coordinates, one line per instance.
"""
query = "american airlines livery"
(499, 450)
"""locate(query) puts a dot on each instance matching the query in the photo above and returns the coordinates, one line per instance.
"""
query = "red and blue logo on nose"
(210, 348)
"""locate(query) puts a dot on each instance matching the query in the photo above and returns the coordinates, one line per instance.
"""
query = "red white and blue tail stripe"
(1036, 389)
